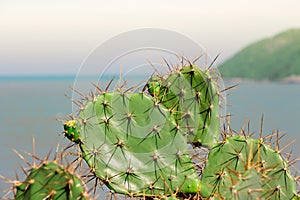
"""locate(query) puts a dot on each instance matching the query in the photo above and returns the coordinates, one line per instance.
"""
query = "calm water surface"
(31, 108)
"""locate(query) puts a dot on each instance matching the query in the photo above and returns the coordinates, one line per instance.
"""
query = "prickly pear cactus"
(245, 168)
(133, 145)
(140, 145)
(192, 96)
(50, 181)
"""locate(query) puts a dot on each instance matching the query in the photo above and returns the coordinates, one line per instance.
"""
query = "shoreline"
(294, 79)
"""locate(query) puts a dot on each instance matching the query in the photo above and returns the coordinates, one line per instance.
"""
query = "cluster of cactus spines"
(133, 145)
(192, 96)
(240, 167)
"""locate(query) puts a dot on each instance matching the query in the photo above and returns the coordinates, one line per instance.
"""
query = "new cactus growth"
(241, 167)
(133, 145)
(192, 96)
(50, 181)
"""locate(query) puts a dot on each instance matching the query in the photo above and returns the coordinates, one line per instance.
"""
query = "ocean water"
(31, 108)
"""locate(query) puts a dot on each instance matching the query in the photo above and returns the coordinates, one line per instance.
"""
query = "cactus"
(148, 146)
(50, 181)
(53, 179)
(241, 167)
(133, 145)
(192, 96)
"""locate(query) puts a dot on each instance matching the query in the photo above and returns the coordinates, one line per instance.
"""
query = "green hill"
(271, 58)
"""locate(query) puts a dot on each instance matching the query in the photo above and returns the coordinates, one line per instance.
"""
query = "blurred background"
(46, 45)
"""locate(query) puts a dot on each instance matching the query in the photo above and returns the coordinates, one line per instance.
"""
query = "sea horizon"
(89, 77)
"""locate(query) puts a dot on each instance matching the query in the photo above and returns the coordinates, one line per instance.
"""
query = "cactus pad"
(192, 96)
(244, 168)
(133, 145)
(50, 181)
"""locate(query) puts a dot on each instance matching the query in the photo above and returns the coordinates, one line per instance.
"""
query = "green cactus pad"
(192, 96)
(50, 181)
(244, 168)
(131, 143)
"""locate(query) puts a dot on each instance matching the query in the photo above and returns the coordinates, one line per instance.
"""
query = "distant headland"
(274, 59)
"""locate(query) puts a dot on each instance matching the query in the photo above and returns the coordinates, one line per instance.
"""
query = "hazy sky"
(54, 37)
